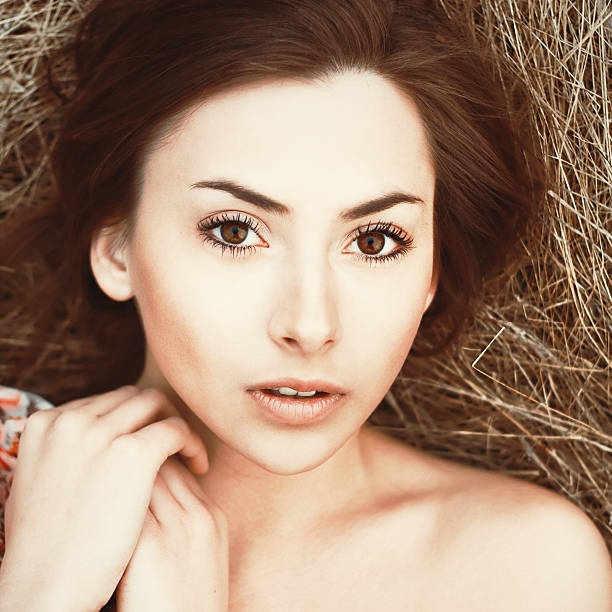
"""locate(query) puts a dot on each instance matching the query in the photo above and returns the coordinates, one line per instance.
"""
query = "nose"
(305, 316)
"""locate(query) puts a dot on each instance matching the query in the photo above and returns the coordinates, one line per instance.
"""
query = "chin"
(291, 467)
(291, 459)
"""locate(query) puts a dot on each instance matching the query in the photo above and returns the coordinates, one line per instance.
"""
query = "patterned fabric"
(15, 407)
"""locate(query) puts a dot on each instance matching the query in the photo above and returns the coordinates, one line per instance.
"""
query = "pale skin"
(332, 515)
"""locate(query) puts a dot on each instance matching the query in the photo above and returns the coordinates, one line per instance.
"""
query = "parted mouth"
(288, 392)
(295, 386)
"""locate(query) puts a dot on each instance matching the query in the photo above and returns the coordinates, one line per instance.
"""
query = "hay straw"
(528, 392)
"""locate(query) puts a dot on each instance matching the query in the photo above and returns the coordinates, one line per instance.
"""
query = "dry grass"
(528, 391)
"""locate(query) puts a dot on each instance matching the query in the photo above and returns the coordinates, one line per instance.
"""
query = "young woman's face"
(233, 295)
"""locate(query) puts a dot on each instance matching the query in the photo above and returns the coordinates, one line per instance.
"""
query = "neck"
(261, 505)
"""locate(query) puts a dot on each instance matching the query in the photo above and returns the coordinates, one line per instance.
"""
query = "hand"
(181, 559)
(82, 484)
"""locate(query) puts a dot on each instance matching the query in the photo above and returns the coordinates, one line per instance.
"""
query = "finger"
(181, 482)
(107, 402)
(90, 407)
(150, 520)
(186, 488)
(150, 406)
(81, 412)
(164, 503)
(150, 526)
(172, 435)
(97, 405)
(137, 411)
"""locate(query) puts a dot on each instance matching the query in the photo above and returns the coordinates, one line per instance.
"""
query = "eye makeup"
(206, 228)
(240, 225)
(367, 236)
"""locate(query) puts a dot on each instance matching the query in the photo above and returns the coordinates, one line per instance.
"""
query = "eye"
(376, 243)
(230, 231)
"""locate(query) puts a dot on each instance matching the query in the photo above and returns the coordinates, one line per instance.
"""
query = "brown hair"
(140, 65)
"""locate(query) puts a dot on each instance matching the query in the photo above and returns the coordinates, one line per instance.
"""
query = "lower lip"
(294, 411)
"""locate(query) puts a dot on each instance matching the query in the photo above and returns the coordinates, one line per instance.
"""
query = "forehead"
(338, 140)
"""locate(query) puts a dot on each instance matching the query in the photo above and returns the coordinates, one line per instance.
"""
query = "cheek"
(389, 328)
(187, 308)
(387, 314)
(203, 314)
(378, 345)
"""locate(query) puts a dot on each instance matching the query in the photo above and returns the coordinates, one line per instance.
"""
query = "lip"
(293, 411)
(301, 385)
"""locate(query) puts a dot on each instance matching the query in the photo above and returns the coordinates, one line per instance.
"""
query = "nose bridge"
(307, 314)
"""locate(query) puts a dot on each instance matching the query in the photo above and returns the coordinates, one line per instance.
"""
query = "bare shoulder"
(506, 544)
(540, 550)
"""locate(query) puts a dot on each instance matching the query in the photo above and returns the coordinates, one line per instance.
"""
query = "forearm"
(28, 594)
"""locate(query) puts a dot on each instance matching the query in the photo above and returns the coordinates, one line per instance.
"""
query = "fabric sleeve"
(16, 406)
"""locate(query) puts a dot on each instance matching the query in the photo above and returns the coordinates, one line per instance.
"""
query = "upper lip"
(301, 385)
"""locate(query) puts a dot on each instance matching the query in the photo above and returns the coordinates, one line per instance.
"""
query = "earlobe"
(109, 265)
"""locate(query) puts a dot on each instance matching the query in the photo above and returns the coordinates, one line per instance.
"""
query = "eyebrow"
(269, 205)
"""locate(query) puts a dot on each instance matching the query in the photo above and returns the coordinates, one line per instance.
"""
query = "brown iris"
(234, 232)
(371, 243)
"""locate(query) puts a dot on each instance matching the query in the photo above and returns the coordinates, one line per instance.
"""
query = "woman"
(274, 195)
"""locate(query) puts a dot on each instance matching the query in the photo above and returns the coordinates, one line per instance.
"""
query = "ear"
(432, 288)
(108, 260)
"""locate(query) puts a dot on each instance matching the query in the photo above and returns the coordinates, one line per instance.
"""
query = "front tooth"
(286, 390)
(293, 392)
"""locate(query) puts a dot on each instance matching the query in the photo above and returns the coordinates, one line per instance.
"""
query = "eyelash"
(388, 229)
